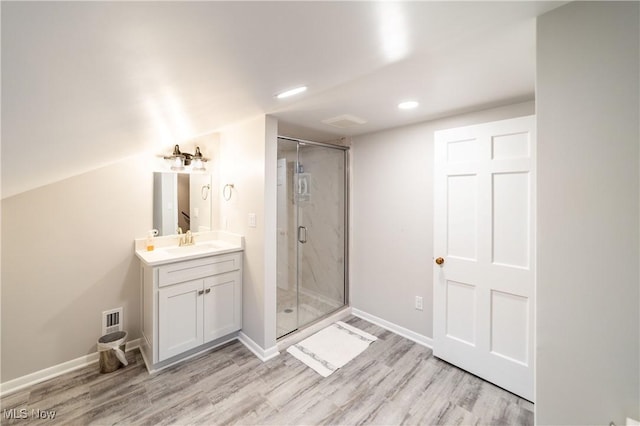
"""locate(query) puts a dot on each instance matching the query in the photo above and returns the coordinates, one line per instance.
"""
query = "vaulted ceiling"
(88, 83)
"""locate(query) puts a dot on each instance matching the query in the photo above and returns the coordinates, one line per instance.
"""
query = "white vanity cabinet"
(189, 304)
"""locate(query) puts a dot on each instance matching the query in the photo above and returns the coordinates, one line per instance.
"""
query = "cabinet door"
(222, 305)
(180, 318)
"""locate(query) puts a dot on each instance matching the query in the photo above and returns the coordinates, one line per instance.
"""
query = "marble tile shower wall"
(322, 212)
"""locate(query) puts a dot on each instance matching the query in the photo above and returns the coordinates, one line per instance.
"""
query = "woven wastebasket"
(111, 348)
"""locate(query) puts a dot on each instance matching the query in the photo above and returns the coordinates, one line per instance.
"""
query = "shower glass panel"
(311, 233)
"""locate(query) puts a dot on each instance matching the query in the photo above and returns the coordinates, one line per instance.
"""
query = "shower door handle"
(302, 231)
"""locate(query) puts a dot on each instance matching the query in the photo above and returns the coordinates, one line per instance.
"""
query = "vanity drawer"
(198, 268)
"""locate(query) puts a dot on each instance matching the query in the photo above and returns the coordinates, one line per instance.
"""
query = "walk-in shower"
(312, 229)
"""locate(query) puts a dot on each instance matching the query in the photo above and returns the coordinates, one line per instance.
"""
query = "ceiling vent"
(344, 121)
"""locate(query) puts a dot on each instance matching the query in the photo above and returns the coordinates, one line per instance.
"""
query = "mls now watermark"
(23, 414)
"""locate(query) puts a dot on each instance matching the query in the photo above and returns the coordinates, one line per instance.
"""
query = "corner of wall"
(588, 51)
(243, 153)
(270, 230)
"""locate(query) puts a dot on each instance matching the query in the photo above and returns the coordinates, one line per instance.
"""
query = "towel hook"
(227, 194)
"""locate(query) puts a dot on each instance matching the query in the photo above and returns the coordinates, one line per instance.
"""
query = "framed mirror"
(181, 200)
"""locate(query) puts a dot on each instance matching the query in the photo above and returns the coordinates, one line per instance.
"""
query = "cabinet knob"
(439, 261)
(208, 291)
(201, 292)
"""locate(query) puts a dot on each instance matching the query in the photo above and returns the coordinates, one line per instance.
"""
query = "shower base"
(290, 316)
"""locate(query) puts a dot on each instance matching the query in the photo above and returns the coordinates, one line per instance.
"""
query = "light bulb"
(197, 165)
(178, 164)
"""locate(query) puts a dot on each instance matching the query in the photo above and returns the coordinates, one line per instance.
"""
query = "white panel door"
(180, 318)
(484, 240)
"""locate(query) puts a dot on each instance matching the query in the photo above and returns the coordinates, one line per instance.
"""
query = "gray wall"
(67, 255)
(248, 161)
(588, 284)
(67, 249)
(392, 217)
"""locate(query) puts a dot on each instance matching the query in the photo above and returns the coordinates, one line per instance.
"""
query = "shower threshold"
(307, 330)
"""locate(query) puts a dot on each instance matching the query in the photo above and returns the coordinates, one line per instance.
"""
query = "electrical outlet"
(419, 303)
(252, 220)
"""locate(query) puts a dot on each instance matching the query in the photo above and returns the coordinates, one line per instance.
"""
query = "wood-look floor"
(394, 381)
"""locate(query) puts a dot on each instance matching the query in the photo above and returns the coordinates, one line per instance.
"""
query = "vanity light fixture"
(198, 161)
(291, 92)
(408, 105)
(179, 160)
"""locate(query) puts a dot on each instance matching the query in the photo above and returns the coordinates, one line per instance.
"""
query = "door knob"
(439, 261)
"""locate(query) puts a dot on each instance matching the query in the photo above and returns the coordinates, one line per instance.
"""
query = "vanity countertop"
(206, 244)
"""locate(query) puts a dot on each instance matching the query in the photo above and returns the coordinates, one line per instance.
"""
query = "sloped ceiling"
(88, 83)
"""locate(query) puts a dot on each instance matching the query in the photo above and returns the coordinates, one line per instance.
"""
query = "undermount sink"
(196, 248)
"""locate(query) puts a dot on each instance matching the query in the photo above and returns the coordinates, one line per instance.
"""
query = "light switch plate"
(252, 220)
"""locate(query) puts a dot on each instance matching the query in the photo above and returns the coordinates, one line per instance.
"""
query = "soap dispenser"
(150, 243)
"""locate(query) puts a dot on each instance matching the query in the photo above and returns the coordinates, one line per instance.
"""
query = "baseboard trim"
(132, 344)
(395, 328)
(262, 354)
(56, 370)
(34, 378)
(192, 353)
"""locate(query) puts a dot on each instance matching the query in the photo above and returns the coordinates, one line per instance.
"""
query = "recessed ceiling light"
(408, 105)
(291, 92)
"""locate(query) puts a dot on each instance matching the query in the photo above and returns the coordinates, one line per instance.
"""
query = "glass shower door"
(320, 200)
(311, 217)
(287, 252)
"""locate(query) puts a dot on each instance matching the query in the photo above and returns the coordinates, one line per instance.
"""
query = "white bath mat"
(332, 347)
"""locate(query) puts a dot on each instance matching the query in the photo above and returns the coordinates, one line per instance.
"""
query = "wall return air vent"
(344, 121)
(111, 321)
